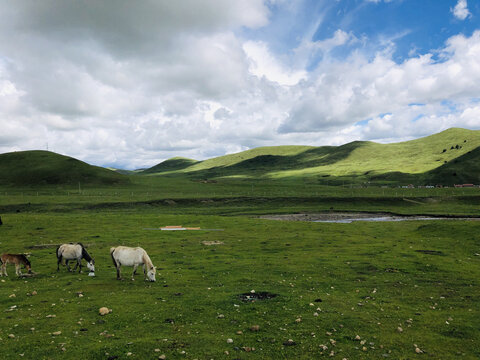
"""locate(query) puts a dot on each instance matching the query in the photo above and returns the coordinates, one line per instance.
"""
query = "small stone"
(162, 357)
(12, 296)
(157, 350)
(324, 347)
(289, 342)
(364, 348)
(239, 332)
(255, 328)
(298, 320)
(34, 292)
(129, 354)
(315, 314)
(221, 316)
(229, 341)
(104, 311)
(399, 329)
(56, 333)
(418, 350)
(357, 337)
(11, 336)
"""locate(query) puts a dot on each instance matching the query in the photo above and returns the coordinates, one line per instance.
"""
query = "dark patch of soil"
(262, 295)
(431, 252)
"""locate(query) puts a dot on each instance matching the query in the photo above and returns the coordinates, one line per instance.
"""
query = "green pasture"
(354, 291)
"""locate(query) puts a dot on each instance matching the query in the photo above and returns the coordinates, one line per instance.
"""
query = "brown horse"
(16, 259)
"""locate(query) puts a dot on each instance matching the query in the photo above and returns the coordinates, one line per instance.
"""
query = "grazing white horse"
(128, 256)
(74, 252)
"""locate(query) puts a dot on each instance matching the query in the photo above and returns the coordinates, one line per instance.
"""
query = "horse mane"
(85, 254)
(147, 261)
(24, 259)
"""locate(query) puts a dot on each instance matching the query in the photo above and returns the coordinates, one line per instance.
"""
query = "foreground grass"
(373, 280)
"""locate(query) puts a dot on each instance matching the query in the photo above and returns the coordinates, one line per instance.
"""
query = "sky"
(129, 84)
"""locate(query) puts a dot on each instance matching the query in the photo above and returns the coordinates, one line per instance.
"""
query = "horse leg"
(59, 260)
(4, 269)
(134, 270)
(119, 275)
(79, 263)
(68, 266)
(144, 272)
(17, 270)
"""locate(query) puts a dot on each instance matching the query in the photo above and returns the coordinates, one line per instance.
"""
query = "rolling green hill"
(48, 168)
(173, 164)
(449, 157)
(433, 158)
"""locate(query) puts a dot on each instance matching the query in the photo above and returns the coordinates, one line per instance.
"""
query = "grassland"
(392, 284)
(343, 291)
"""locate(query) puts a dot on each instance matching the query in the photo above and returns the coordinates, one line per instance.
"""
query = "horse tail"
(112, 249)
(58, 253)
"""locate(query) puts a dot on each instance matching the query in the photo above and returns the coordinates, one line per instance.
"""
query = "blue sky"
(413, 26)
(129, 84)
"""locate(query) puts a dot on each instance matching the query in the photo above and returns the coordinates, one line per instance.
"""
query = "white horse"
(74, 252)
(128, 256)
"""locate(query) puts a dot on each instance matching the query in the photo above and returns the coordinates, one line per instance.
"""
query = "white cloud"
(263, 63)
(460, 11)
(131, 84)
(343, 93)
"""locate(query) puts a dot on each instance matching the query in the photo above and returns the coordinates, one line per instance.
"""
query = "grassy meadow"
(245, 287)
(354, 291)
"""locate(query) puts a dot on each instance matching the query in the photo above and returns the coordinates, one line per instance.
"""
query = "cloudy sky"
(131, 83)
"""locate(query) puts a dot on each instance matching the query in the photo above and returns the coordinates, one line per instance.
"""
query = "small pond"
(347, 218)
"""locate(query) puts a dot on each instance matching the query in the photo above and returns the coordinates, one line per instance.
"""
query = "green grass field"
(395, 285)
(365, 290)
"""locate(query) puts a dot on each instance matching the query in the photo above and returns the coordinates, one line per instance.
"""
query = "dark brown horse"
(18, 260)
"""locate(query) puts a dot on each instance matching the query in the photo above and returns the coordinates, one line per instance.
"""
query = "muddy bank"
(351, 217)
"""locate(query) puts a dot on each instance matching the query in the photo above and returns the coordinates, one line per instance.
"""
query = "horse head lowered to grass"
(74, 252)
(128, 256)
(18, 260)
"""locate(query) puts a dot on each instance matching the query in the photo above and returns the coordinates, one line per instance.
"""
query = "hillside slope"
(360, 159)
(47, 168)
(173, 164)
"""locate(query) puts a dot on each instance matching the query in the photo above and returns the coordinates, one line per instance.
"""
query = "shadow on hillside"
(463, 170)
(264, 164)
